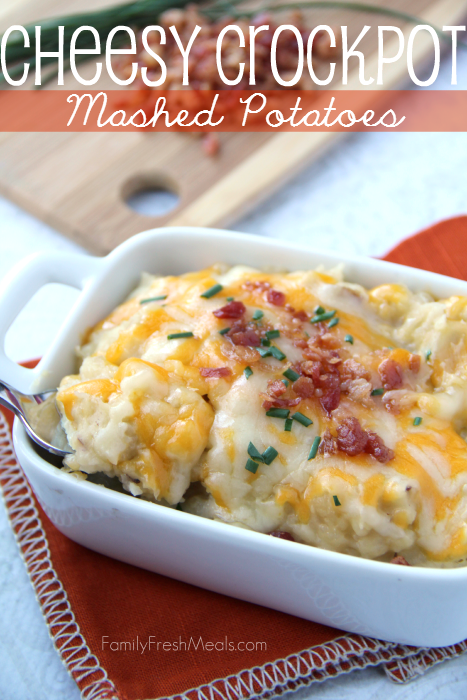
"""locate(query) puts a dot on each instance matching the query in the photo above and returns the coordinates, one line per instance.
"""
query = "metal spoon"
(11, 399)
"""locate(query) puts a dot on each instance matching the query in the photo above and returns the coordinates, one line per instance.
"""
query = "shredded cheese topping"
(383, 380)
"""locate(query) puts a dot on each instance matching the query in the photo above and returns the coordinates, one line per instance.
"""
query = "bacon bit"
(376, 447)
(321, 365)
(400, 560)
(243, 334)
(391, 373)
(331, 397)
(234, 309)
(272, 402)
(329, 341)
(276, 388)
(414, 363)
(302, 344)
(328, 444)
(323, 355)
(310, 369)
(246, 355)
(300, 315)
(214, 372)
(211, 144)
(358, 390)
(320, 354)
(351, 369)
(304, 387)
(248, 337)
(351, 438)
(321, 328)
(354, 382)
(256, 285)
(314, 354)
(392, 404)
(333, 356)
(282, 535)
(275, 297)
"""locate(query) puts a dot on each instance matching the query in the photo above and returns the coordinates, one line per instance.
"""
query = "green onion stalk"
(142, 13)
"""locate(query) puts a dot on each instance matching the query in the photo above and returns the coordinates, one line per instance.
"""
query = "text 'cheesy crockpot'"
(297, 404)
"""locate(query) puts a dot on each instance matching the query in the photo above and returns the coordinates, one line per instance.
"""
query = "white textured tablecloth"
(362, 197)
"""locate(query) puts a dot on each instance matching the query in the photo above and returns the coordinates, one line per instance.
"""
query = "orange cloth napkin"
(94, 605)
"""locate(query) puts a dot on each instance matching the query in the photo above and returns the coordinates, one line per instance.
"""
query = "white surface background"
(363, 197)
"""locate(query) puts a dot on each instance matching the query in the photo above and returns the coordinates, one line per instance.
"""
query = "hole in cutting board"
(150, 195)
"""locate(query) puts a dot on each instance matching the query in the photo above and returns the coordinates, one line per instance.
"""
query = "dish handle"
(20, 285)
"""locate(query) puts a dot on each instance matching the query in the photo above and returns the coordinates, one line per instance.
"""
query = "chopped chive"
(264, 352)
(258, 315)
(265, 342)
(320, 310)
(286, 382)
(251, 466)
(229, 299)
(269, 455)
(254, 453)
(336, 501)
(323, 317)
(161, 298)
(417, 421)
(272, 334)
(349, 338)
(212, 291)
(291, 374)
(333, 323)
(185, 334)
(307, 334)
(377, 392)
(278, 412)
(248, 372)
(224, 331)
(314, 447)
(304, 420)
(278, 354)
(428, 355)
(288, 425)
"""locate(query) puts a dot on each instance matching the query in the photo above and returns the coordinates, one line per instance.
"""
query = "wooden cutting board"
(77, 183)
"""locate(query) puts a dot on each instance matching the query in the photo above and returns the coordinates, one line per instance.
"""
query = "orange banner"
(233, 110)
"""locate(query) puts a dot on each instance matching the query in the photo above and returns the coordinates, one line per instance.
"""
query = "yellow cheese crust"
(144, 408)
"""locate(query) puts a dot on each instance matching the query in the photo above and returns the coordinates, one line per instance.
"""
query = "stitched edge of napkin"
(405, 670)
(342, 655)
(30, 536)
(314, 665)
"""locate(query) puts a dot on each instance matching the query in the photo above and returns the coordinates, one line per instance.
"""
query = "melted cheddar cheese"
(144, 408)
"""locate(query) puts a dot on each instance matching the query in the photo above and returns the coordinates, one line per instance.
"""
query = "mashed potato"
(293, 403)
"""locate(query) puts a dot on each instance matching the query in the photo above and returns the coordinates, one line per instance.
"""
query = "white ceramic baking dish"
(425, 607)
